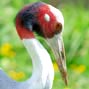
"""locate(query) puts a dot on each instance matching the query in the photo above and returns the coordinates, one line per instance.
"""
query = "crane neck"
(42, 64)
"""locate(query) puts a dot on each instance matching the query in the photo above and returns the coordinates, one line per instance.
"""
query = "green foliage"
(76, 34)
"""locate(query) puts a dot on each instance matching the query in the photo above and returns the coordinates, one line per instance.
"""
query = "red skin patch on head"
(23, 32)
(48, 27)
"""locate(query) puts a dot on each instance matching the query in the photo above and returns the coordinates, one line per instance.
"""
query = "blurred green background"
(15, 60)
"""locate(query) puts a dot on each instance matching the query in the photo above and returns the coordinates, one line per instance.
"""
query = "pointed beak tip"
(66, 81)
(65, 77)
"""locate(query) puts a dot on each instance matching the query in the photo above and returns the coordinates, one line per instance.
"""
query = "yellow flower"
(17, 75)
(55, 66)
(21, 75)
(6, 50)
(78, 69)
(13, 75)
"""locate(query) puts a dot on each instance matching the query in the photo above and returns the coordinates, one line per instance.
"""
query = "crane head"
(48, 22)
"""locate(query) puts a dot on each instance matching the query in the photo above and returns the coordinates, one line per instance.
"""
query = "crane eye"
(58, 28)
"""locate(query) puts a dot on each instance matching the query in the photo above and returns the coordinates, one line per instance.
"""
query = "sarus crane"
(48, 22)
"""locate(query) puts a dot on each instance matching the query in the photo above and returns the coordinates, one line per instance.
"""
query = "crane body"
(48, 22)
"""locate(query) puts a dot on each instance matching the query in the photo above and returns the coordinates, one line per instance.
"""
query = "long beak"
(57, 46)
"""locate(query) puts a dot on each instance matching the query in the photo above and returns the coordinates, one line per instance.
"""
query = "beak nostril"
(58, 28)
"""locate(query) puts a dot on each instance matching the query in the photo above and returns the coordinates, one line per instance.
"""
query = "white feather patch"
(47, 17)
(58, 15)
